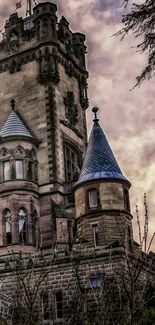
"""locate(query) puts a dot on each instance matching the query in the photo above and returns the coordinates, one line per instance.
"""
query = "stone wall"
(60, 277)
(30, 103)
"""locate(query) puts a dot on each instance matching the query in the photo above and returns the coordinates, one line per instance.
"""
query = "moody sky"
(127, 117)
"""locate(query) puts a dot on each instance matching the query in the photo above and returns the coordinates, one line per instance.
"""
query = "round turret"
(101, 193)
(19, 197)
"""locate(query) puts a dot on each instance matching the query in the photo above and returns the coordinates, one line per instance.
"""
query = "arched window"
(19, 169)
(7, 227)
(6, 170)
(19, 164)
(72, 162)
(35, 234)
(19, 155)
(45, 306)
(30, 170)
(96, 280)
(22, 216)
(4, 154)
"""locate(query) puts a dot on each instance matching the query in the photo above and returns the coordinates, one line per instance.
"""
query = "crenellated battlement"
(21, 34)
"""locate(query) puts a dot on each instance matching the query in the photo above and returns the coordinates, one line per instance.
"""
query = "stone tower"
(43, 135)
(102, 195)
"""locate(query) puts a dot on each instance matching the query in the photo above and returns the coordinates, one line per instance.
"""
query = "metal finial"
(95, 110)
(12, 101)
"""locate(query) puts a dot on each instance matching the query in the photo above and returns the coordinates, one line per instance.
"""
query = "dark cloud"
(104, 5)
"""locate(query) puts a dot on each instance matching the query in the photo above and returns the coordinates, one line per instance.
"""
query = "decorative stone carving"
(71, 109)
(48, 67)
(4, 153)
(71, 113)
(83, 92)
(13, 42)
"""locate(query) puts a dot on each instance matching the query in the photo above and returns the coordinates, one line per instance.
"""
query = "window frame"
(22, 161)
(87, 203)
(45, 304)
(95, 234)
(7, 239)
(90, 191)
(126, 200)
(23, 235)
(56, 305)
(74, 165)
(95, 281)
(30, 171)
(5, 162)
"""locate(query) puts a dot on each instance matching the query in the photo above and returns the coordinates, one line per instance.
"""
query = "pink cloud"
(127, 117)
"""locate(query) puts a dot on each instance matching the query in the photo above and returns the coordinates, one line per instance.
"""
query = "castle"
(51, 187)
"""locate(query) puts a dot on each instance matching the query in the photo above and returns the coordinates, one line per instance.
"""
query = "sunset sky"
(127, 117)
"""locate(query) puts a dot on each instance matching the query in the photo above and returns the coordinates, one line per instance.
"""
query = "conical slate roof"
(14, 126)
(99, 162)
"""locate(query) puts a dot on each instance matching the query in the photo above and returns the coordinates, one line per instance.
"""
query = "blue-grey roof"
(99, 162)
(14, 126)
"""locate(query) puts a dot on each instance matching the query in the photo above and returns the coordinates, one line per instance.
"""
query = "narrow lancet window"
(7, 227)
(93, 198)
(22, 225)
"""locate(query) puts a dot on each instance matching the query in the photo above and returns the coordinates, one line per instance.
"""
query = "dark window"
(45, 306)
(34, 227)
(6, 170)
(126, 201)
(72, 163)
(95, 281)
(30, 170)
(59, 307)
(93, 198)
(8, 227)
(95, 235)
(28, 25)
(19, 169)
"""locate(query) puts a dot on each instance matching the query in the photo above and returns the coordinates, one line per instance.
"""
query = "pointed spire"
(14, 126)
(99, 162)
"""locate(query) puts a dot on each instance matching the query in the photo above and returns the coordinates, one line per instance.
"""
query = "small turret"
(19, 204)
(65, 34)
(45, 21)
(79, 47)
(101, 194)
